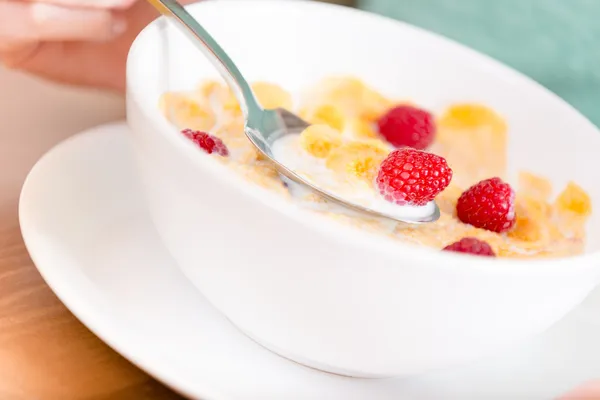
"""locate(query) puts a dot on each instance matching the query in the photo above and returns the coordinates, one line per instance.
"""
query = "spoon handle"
(211, 49)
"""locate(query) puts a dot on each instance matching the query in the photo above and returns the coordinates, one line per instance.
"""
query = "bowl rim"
(358, 237)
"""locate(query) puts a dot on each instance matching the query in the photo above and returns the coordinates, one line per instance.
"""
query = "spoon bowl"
(264, 127)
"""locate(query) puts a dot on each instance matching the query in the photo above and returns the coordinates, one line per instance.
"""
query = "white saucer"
(85, 225)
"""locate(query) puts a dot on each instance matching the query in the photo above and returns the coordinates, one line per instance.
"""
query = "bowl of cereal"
(340, 291)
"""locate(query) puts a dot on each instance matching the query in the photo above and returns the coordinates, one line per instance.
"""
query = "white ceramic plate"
(85, 226)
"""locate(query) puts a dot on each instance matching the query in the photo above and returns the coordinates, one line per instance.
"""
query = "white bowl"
(326, 296)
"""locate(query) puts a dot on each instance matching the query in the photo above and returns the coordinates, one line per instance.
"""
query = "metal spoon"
(264, 127)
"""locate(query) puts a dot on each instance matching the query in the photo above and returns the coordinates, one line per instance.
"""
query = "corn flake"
(357, 159)
(320, 140)
(272, 96)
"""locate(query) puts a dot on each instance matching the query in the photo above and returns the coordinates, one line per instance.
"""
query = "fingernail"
(44, 13)
(114, 3)
(56, 22)
(51, 17)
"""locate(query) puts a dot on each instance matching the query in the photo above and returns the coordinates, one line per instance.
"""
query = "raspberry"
(407, 126)
(472, 246)
(489, 204)
(415, 177)
(207, 142)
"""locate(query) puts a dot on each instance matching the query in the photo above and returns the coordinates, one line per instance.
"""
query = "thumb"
(97, 64)
(588, 391)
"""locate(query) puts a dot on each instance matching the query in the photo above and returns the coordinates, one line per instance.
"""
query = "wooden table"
(45, 352)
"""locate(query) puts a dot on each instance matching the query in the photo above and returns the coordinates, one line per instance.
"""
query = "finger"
(588, 391)
(96, 64)
(31, 22)
(94, 4)
(13, 53)
(51, 60)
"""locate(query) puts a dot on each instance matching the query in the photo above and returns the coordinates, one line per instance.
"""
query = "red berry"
(415, 177)
(207, 142)
(407, 126)
(472, 246)
(489, 204)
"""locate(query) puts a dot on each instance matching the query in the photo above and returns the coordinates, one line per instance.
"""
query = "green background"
(555, 42)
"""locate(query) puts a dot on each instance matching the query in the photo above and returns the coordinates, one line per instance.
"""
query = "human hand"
(588, 391)
(80, 42)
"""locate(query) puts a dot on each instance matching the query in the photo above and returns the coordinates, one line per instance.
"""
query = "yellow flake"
(533, 222)
(572, 208)
(231, 104)
(574, 200)
(272, 96)
(342, 91)
(533, 206)
(448, 198)
(221, 95)
(377, 143)
(363, 128)
(554, 232)
(185, 112)
(351, 96)
(526, 229)
(473, 139)
(534, 186)
(268, 170)
(471, 116)
(325, 114)
(233, 127)
(320, 140)
(374, 104)
(247, 155)
(357, 159)
(508, 252)
(211, 88)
